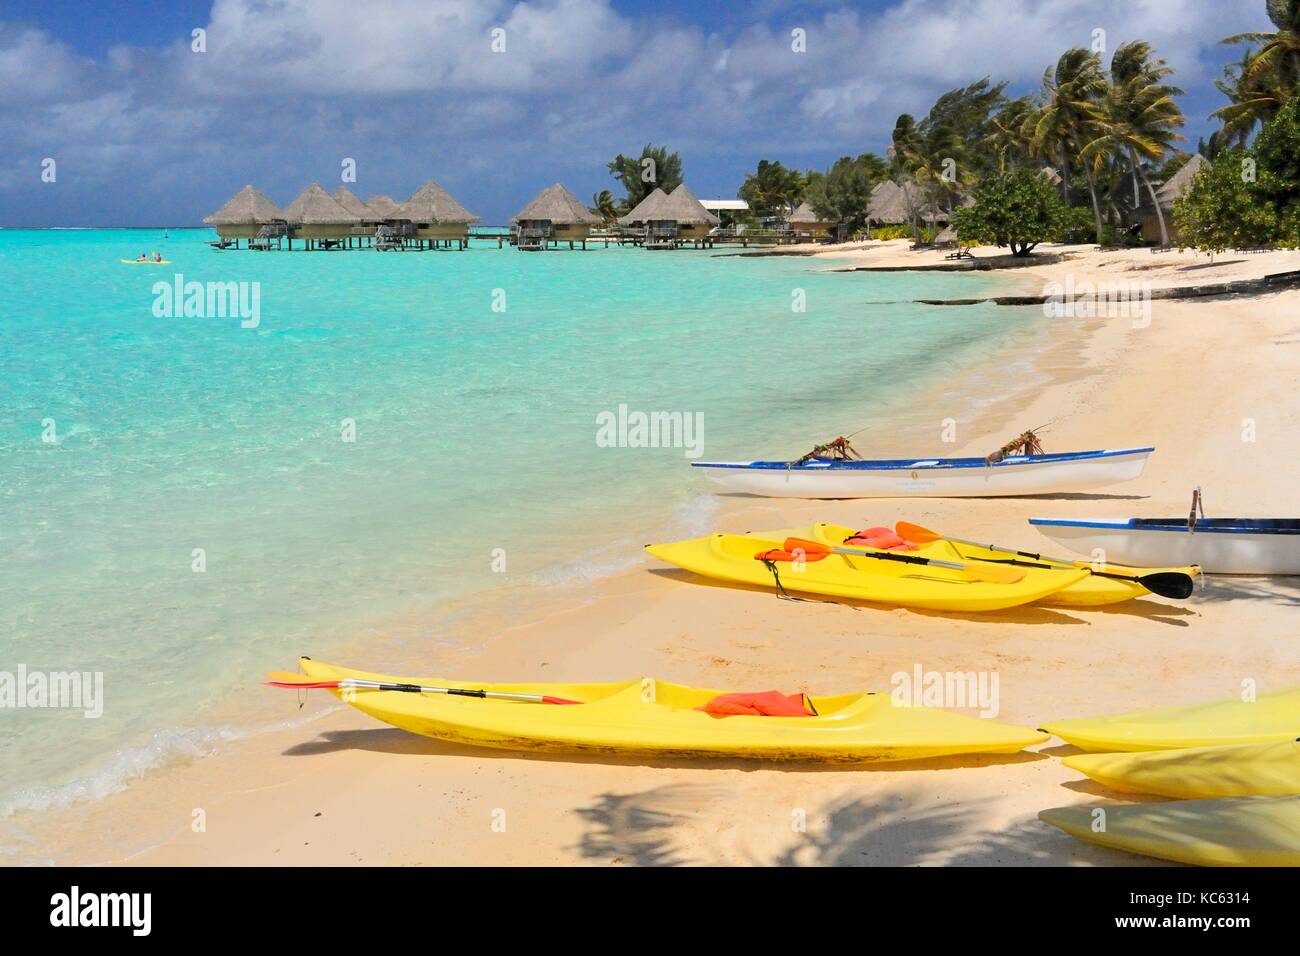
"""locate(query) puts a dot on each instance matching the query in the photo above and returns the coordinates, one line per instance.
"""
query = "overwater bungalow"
(364, 232)
(805, 223)
(644, 211)
(383, 207)
(439, 219)
(317, 218)
(670, 219)
(680, 218)
(553, 216)
(245, 216)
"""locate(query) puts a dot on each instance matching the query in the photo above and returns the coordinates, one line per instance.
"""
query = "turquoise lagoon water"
(474, 429)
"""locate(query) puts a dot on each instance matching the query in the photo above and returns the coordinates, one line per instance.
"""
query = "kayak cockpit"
(681, 697)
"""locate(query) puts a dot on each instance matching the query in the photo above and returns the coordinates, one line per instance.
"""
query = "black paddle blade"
(1170, 584)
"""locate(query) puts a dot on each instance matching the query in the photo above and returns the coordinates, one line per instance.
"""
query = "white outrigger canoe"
(930, 477)
(1218, 545)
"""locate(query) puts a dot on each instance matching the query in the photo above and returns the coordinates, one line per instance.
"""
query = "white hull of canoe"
(1017, 476)
(1215, 552)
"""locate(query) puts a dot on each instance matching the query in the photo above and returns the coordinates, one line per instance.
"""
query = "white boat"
(1218, 545)
(930, 477)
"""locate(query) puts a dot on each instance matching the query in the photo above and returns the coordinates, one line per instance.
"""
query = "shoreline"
(666, 624)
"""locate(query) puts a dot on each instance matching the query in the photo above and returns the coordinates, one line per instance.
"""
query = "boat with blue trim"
(1013, 475)
(1218, 545)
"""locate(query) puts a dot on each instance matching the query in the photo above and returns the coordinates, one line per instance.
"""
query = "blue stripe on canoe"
(1209, 525)
(915, 464)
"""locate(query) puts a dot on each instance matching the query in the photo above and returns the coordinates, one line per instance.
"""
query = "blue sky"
(145, 131)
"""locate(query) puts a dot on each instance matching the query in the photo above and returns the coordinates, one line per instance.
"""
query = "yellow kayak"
(655, 717)
(1270, 718)
(145, 262)
(731, 557)
(1091, 591)
(1192, 774)
(1231, 831)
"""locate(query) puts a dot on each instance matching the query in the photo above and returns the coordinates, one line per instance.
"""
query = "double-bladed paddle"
(986, 575)
(1177, 585)
(303, 682)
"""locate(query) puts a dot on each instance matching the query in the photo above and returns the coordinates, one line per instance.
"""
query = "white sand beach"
(343, 789)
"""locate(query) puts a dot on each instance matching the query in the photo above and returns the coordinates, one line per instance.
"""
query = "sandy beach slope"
(1195, 382)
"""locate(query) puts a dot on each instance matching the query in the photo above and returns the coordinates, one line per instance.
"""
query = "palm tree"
(603, 205)
(772, 189)
(1011, 133)
(640, 175)
(1141, 117)
(1281, 49)
(1070, 117)
(1255, 97)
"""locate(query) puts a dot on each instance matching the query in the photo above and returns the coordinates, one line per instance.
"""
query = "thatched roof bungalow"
(693, 220)
(805, 221)
(244, 214)
(315, 214)
(888, 206)
(555, 215)
(895, 205)
(1179, 183)
(383, 207)
(678, 217)
(946, 239)
(353, 204)
(436, 215)
(645, 210)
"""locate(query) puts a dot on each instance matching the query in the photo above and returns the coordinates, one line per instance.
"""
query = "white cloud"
(412, 89)
(34, 68)
(335, 47)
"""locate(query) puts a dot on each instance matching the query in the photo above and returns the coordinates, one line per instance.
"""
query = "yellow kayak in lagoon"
(1089, 591)
(649, 716)
(732, 557)
(1271, 718)
(1198, 772)
(1231, 831)
(145, 262)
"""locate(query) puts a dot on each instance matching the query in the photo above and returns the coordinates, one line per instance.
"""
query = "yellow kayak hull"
(1196, 773)
(730, 557)
(649, 716)
(1091, 591)
(1230, 831)
(1271, 718)
(145, 262)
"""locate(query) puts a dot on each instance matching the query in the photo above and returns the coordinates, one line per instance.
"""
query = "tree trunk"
(1160, 213)
(1064, 172)
(1133, 161)
(1096, 206)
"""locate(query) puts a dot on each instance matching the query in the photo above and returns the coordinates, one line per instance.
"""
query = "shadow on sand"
(391, 740)
(1280, 590)
(893, 830)
(1025, 614)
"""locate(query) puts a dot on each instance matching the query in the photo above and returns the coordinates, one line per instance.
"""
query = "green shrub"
(885, 233)
(1247, 197)
(1077, 226)
(1223, 209)
(1019, 209)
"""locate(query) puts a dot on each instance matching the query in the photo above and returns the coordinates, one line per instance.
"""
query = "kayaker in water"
(157, 257)
(142, 258)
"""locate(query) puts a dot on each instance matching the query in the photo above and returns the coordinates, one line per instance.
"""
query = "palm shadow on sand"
(1278, 589)
(895, 829)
